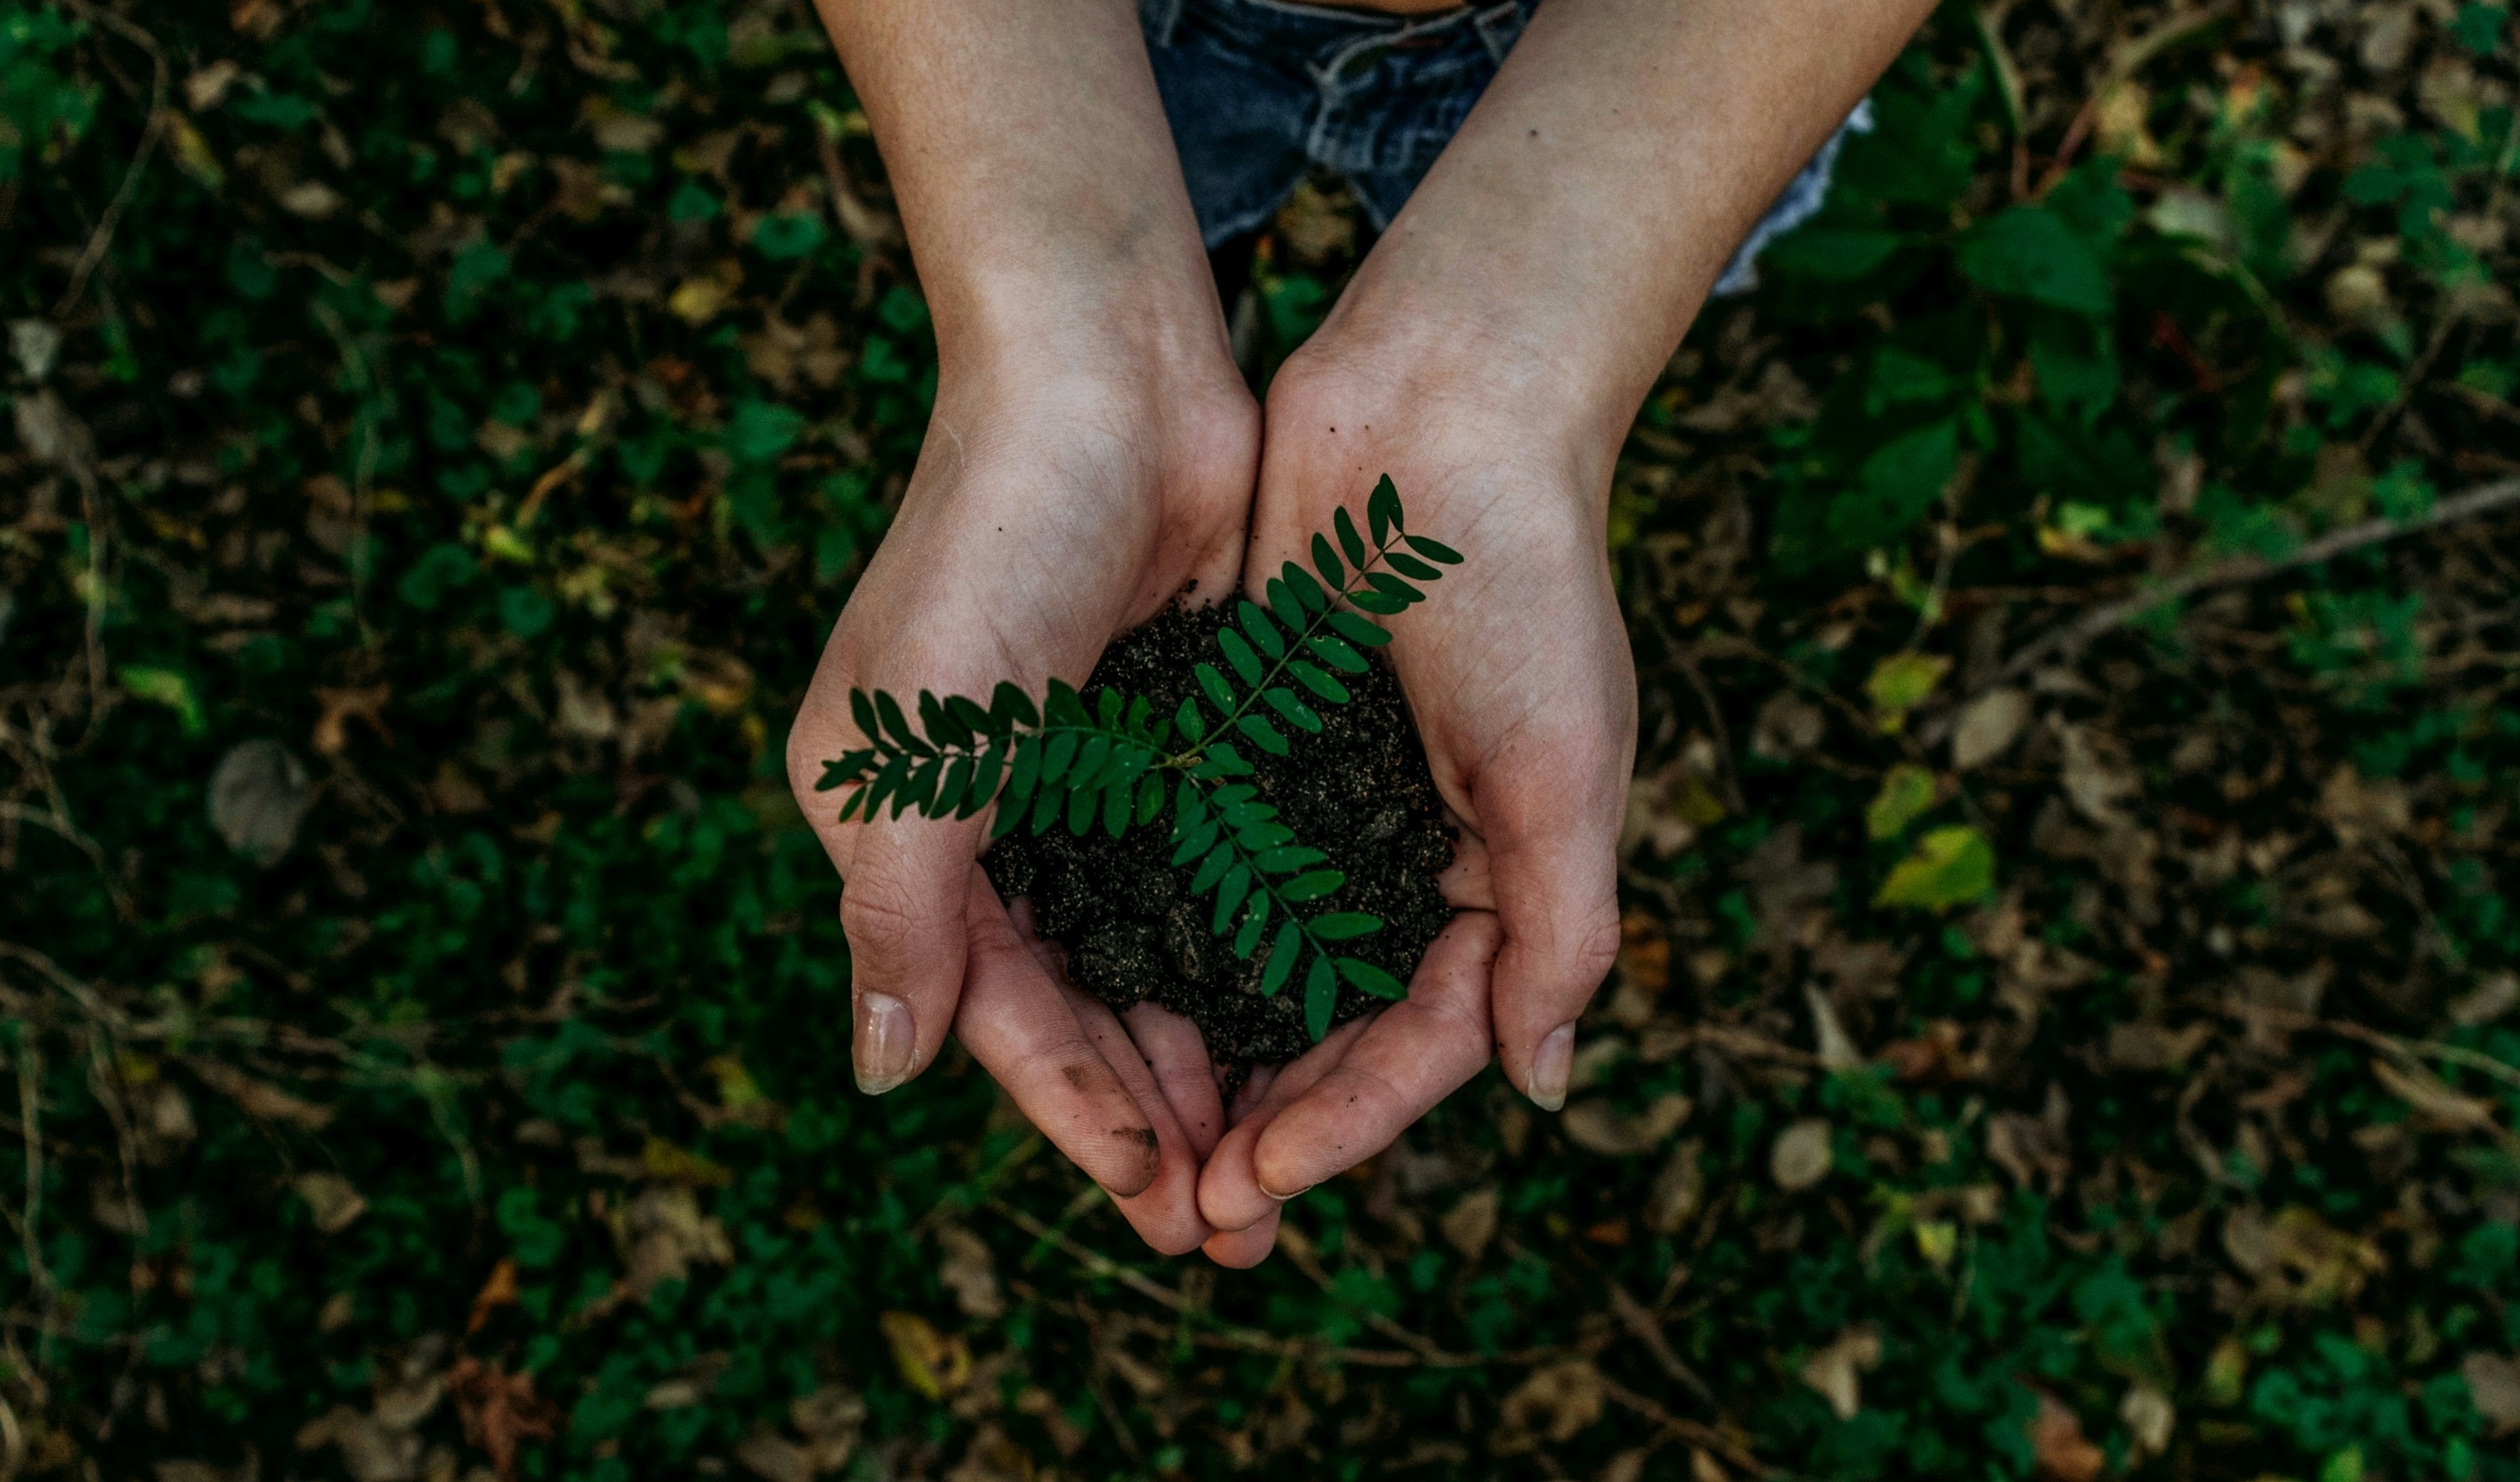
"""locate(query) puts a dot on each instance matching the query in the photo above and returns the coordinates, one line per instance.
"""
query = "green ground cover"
(2058, 1031)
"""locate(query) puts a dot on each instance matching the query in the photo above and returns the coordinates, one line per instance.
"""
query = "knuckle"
(878, 921)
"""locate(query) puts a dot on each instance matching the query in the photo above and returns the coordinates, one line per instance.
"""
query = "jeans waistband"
(1324, 33)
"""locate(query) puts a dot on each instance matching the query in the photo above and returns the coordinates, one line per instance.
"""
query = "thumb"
(903, 911)
(1553, 862)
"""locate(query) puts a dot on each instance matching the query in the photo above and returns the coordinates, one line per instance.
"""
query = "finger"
(1021, 1028)
(1229, 1195)
(1552, 837)
(1164, 1213)
(1242, 1249)
(1467, 883)
(903, 909)
(1177, 1054)
(1418, 1052)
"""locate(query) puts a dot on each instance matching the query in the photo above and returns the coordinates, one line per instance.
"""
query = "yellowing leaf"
(166, 688)
(1905, 795)
(1950, 867)
(1900, 683)
(931, 1363)
(671, 1164)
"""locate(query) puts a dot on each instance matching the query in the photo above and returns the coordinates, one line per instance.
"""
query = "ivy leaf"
(1907, 795)
(1372, 979)
(1345, 925)
(1950, 867)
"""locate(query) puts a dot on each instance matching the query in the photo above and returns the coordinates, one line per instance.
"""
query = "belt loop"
(1500, 26)
(1159, 18)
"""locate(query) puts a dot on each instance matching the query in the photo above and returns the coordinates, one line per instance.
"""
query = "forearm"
(1562, 242)
(1035, 173)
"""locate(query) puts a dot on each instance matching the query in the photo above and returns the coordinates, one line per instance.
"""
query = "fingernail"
(1279, 1197)
(884, 1042)
(1551, 1065)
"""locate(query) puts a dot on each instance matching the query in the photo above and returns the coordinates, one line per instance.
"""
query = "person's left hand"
(1518, 672)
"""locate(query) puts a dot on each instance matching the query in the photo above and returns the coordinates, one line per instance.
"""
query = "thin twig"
(1646, 1329)
(103, 236)
(1692, 1432)
(2074, 636)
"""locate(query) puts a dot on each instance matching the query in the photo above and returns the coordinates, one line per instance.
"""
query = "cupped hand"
(1518, 672)
(1058, 500)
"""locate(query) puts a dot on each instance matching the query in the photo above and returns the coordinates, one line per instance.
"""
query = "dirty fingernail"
(884, 1043)
(1551, 1064)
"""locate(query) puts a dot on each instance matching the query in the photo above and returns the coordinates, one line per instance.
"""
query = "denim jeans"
(1261, 93)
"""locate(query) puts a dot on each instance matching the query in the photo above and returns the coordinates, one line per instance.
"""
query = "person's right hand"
(1064, 494)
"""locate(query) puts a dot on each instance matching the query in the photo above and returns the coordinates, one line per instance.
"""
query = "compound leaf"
(1321, 996)
(1326, 561)
(1283, 701)
(1263, 735)
(1311, 678)
(1410, 565)
(1335, 651)
(1434, 550)
(1345, 925)
(1238, 653)
(1009, 706)
(1350, 542)
(1252, 920)
(1228, 894)
(1282, 953)
(1257, 627)
(1219, 693)
(1312, 886)
(1372, 979)
(1212, 868)
(1357, 630)
(1307, 590)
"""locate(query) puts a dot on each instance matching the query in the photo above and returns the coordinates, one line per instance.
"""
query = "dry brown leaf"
(1838, 1370)
(2494, 1388)
(1678, 1190)
(2060, 1452)
(341, 706)
(965, 1269)
(1987, 724)
(1559, 1401)
(500, 1411)
(262, 1102)
(1802, 1155)
(1596, 1126)
(774, 1458)
(2435, 1103)
(2151, 1418)
(1472, 1222)
(331, 1199)
(500, 1290)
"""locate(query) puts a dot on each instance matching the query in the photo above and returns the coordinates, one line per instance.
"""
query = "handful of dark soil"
(1360, 791)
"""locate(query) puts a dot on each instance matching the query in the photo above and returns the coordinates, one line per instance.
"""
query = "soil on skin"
(1359, 792)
